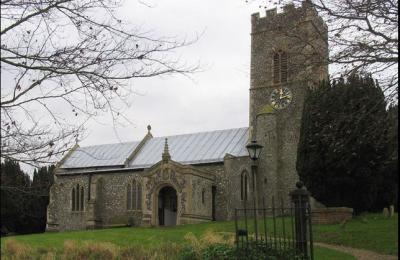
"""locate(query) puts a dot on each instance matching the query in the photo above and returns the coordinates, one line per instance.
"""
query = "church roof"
(196, 148)
(205, 147)
(100, 155)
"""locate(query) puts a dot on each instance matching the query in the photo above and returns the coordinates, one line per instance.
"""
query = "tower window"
(280, 67)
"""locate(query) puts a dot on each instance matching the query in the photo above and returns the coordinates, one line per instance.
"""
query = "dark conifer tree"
(24, 202)
(343, 146)
(388, 188)
(42, 180)
(15, 199)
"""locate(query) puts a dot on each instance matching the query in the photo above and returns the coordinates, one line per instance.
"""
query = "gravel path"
(359, 254)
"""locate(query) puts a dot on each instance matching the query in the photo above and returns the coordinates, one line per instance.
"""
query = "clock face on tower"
(281, 98)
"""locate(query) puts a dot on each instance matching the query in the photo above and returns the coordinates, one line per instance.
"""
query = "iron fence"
(277, 227)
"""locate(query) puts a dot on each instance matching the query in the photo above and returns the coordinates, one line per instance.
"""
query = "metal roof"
(100, 155)
(196, 148)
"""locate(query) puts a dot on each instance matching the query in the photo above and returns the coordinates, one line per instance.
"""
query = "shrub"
(134, 252)
(69, 247)
(197, 246)
(98, 250)
(16, 250)
(219, 252)
(260, 250)
(167, 251)
(188, 253)
(210, 237)
(49, 256)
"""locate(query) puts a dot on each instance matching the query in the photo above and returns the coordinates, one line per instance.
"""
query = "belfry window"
(77, 198)
(244, 186)
(280, 67)
(134, 195)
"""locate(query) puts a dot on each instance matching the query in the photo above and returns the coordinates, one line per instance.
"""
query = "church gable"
(189, 192)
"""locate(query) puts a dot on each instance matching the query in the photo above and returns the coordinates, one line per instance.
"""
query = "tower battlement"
(289, 17)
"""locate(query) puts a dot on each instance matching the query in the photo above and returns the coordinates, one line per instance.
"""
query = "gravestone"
(391, 211)
(385, 212)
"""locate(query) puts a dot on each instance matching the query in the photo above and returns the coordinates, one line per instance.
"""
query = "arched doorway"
(167, 206)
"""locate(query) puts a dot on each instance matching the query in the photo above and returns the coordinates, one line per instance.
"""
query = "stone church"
(192, 178)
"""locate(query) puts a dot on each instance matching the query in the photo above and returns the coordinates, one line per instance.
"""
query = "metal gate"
(277, 228)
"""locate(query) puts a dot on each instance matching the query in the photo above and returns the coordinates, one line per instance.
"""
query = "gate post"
(300, 199)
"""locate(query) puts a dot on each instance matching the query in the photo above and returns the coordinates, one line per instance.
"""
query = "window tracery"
(134, 195)
(77, 198)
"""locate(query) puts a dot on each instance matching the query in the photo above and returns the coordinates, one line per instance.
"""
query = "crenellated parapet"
(291, 16)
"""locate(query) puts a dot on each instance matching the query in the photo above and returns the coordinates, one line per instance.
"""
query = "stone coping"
(332, 210)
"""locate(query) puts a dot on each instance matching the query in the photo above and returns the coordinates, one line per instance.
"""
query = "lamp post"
(254, 150)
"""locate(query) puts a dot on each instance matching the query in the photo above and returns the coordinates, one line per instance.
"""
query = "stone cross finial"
(165, 155)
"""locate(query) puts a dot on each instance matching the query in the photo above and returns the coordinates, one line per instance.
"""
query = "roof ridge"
(96, 145)
(165, 136)
(219, 130)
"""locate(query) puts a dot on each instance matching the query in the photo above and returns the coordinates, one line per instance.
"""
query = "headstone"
(391, 211)
(385, 212)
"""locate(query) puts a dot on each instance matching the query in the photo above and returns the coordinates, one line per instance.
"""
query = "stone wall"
(221, 184)
(60, 214)
(234, 167)
(109, 200)
(198, 210)
(106, 205)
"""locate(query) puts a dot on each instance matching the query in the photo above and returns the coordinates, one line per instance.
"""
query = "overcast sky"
(216, 98)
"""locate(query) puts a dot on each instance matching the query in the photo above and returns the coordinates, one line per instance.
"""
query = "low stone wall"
(331, 215)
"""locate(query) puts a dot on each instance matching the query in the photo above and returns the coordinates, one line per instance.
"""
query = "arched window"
(280, 67)
(134, 195)
(77, 198)
(244, 186)
(73, 199)
(128, 196)
(82, 199)
(139, 196)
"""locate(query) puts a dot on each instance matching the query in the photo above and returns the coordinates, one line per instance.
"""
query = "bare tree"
(363, 37)
(69, 57)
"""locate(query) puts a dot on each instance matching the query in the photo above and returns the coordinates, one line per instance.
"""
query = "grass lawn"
(371, 232)
(322, 253)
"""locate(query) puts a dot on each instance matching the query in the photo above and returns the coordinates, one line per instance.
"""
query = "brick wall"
(331, 215)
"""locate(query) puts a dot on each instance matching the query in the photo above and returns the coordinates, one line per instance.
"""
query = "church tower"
(289, 52)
